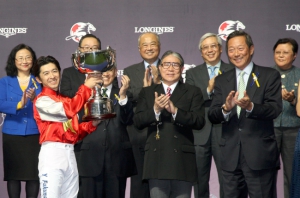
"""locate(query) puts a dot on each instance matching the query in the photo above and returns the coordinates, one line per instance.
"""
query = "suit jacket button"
(240, 129)
(175, 150)
(175, 136)
(154, 150)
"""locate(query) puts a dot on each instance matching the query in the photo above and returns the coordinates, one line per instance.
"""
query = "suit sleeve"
(215, 114)
(144, 113)
(7, 106)
(126, 111)
(66, 87)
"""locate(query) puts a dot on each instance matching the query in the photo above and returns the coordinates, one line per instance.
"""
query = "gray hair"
(154, 33)
(205, 36)
(175, 54)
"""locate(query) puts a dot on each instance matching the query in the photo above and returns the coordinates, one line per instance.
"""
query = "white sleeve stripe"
(50, 110)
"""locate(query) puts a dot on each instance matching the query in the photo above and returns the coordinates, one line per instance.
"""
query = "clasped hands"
(288, 96)
(149, 72)
(163, 102)
(232, 100)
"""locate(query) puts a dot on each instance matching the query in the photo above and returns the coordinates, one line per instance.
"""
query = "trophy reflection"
(93, 63)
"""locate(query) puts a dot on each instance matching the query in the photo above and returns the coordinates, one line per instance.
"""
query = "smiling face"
(109, 76)
(49, 76)
(170, 75)
(238, 52)
(23, 61)
(211, 50)
(149, 47)
(284, 56)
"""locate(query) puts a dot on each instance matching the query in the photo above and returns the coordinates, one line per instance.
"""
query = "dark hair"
(236, 33)
(175, 54)
(11, 68)
(44, 60)
(293, 42)
(90, 36)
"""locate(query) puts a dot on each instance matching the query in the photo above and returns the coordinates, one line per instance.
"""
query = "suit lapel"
(14, 86)
(140, 71)
(251, 86)
(178, 92)
(204, 72)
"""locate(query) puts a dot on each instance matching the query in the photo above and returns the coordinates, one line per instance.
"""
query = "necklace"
(23, 81)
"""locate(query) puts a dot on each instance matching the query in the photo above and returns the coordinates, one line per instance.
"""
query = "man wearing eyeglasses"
(104, 158)
(170, 111)
(142, 74)
(207, 139)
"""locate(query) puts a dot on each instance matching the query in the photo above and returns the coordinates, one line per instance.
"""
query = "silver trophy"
(96, 62)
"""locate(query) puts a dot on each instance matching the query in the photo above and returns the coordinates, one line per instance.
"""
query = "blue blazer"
(17, 122)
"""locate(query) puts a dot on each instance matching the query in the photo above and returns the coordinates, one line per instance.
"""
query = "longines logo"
(294, 27)
(158, 30)
(7, 32)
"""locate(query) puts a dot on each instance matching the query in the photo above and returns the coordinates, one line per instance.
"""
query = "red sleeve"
(84, 129)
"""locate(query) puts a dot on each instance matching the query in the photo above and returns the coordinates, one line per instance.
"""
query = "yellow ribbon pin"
(255, 79)
(117, 97)
(34, 83)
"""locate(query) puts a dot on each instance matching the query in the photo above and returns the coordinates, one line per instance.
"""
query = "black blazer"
(199, 77)
(173, 155)
(110, 137)
(254, 131)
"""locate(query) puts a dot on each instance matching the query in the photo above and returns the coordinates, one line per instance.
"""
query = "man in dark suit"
(142, 75)
(207, 139)
(105, 159)
(170, 111)
(246, 100)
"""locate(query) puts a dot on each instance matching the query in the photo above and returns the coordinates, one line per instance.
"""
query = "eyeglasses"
(21, 59)
(166, 65)
(88, 48)
(206, 47)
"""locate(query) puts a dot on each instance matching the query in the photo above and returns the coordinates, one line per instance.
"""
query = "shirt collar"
(154, 63)
(171, 86)
(109, 87)
(247, 69)
(218, 65)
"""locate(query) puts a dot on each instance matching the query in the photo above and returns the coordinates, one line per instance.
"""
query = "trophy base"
(99, 117)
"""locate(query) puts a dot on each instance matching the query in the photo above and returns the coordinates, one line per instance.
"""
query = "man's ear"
(38, 80)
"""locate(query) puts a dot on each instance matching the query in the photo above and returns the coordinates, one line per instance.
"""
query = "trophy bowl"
(96, 62)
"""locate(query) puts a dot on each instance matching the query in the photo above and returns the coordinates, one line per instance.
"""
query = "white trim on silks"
(50, 110)
(58, 170)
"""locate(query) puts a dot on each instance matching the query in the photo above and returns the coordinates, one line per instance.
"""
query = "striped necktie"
(169, 91)
(104, 94)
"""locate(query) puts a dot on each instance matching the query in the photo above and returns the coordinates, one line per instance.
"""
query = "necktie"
(169, 91)
(212, 72)
(104, 94)
(241, 89)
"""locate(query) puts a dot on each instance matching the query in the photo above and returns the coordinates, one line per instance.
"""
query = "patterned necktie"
(241, 90)
(212, 71)
(169, 91)
(104, 94)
